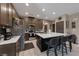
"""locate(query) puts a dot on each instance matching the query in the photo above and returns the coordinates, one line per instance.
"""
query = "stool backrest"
(63, 39)
(54, 41)
(72, 38)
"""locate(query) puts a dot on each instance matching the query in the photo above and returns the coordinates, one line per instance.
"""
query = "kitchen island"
(44, 37)
(10, 47)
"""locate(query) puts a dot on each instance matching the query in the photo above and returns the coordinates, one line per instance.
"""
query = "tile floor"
(36, 52)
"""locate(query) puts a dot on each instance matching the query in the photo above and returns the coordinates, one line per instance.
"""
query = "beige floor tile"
(36, 52)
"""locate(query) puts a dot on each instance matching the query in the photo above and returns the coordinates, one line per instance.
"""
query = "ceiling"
(35, 9)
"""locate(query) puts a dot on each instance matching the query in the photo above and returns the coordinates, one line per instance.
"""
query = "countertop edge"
(12, 40)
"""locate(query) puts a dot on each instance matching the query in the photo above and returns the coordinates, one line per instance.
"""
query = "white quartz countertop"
(14, 39)
(49, 35)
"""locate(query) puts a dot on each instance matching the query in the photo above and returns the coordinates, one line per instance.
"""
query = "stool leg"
(66, 49)
(48, 51)
(70, 44)
(59, 47)
(62, 50)
(55, 51)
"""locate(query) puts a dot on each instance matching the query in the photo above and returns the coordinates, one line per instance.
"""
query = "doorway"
(53, 27)
(45, 28)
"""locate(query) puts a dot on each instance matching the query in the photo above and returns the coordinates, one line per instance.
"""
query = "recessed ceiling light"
(26, 13)
(53, 13)
(37, 15)
(43, 9)
(27, 4)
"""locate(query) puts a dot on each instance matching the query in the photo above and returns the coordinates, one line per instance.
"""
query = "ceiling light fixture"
(37, 15)
(27, 4)
(26, 13)
(43, 9)
(53, 13)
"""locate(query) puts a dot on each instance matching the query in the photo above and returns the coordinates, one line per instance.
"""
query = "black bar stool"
(63, 44)
(53, 43)
(72, 39)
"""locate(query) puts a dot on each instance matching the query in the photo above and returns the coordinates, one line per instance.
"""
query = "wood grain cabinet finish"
(10, 49)
(17, 48)
(60, 27)
(3, 14)
(37, 23)
(7, 12)
(10, 14)
(26, 36)
(0, 13)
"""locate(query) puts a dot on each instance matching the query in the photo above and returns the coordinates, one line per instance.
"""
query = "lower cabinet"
(26, 36)
(41, 43)
(17, 48)
(7, 12)
(10, 49)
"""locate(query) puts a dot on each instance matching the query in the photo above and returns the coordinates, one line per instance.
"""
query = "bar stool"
(63, 44)
(72, 39)
(53, 43)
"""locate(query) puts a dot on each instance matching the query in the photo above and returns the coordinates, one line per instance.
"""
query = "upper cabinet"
(10, 14)
(4, 17)
(36, 23)
(0, 13)
(7, 13)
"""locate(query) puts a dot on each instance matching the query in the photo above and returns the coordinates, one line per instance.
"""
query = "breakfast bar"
(43, 37)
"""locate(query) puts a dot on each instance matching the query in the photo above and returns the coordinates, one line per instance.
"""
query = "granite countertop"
(49, 35)
(14, 39)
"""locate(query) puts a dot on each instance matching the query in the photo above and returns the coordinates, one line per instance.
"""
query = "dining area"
(56, 42)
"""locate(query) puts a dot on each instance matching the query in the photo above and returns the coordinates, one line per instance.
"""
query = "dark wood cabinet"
(7, 12)
(0, 13)
(10, 15)
(37, 23)
(3, 14)
(10, 49)
(26, 36)
(17, 48)
(60, 27)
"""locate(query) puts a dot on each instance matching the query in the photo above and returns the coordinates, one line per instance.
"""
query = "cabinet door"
(60, 27)
(7, 14)
(17, 48)
(0, 13)
(10, 15)
(40, 24)
(13, 12)
(3, 14)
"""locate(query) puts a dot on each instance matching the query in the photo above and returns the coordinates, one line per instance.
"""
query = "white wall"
(75, 18)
